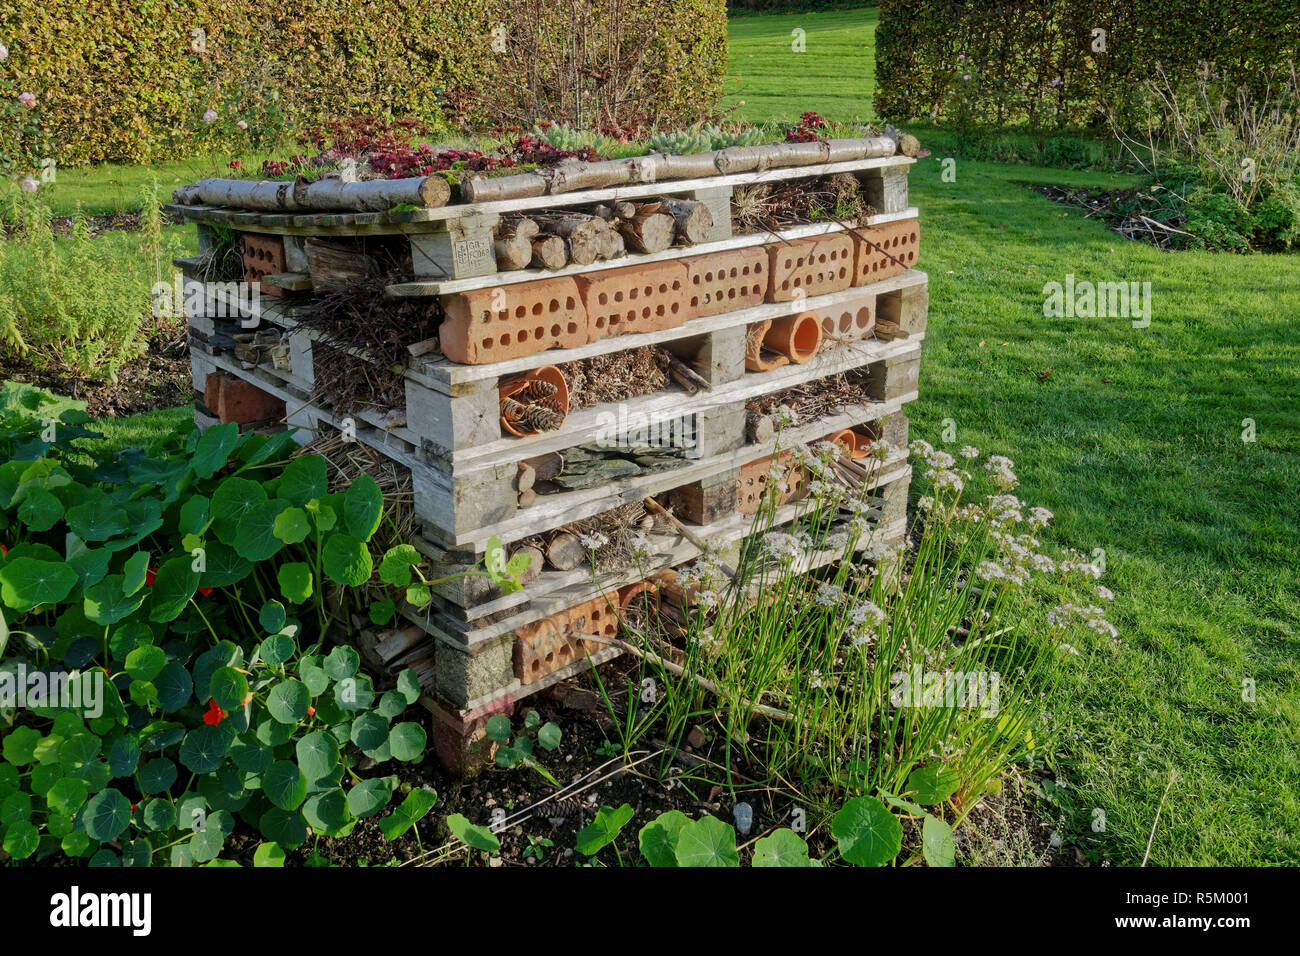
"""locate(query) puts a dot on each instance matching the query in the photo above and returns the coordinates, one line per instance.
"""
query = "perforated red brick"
(494, 324)
(754, 478)
(644, 298)
(902, 242)
(263, 256)
(813, 266)
(235, 400)
(547, 645)
(850, 321)
(725, 281)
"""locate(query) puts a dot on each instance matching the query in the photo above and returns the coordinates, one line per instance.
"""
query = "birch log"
(693, 220)
(375, 195)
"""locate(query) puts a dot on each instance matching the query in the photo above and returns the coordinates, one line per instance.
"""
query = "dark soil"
(593, 771)
(160, 378)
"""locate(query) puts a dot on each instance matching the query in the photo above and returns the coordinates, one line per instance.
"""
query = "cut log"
(868, 147)
(565, 552)
(693, 220)
(648, 232)
(744, 159)
(549, 252)
(535, 562)
(512, 252)
(519, 186)
(583, 236)
(527, 498)
(527, 477)
(375, 195)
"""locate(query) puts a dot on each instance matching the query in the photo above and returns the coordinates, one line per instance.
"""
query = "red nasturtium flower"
(311, 711)
(205, 591)
(4, 550)
(149, 575)
(215, 714)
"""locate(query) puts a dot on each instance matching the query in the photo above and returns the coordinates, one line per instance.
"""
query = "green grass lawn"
(1134, 440)
(835, 74)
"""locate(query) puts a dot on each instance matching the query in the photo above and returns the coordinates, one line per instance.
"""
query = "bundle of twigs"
(815, 399)
(764, 207)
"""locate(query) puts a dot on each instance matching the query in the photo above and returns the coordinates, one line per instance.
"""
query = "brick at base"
(235, 400)
(460, 738)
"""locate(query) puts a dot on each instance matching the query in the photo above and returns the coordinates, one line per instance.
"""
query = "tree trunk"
(375, 195)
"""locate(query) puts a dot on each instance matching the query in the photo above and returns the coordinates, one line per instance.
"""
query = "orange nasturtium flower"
(215, 714)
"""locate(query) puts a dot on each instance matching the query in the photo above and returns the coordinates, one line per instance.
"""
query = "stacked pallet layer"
(747, 317)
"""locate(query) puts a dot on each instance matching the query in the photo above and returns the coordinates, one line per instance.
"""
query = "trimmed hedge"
(1032, 62)
(119, 80)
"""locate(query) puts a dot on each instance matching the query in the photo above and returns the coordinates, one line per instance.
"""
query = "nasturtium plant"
(184, 584)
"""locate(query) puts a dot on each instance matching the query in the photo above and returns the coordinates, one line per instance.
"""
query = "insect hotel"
(593, 363)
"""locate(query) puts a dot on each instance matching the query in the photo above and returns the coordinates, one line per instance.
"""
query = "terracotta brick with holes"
(753, 484)
(491, 325)
(263, 256)
(645, 298)
(235, 400)
(813, 266)
(902, 242)
(725, 281)
(849, 321)
(554, 642)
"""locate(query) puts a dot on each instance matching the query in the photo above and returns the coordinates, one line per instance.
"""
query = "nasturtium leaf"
(318, 755)
(932, 785)
(369, 731)
(497, 728)
(390, 705)
(277, 649)
(418, 595)
(288, 701)
(214, 449)
(706, 842)
(159, 814)
(355, 693)
(173, 587)
(207, 843)
(410, 812)
(284, 785)
(97, 520)
(40, 510)
(123, 755)
(346, 560)
(272, 617)
(324, 515)
(228, 687)
(174, 686)
(867, 833)
(255, 534)
(369, 796)
(291, 526)
(18, 806)
(548, 737)
(477, 837)
(250, 754)
(234, 498)
(161, 735)
(342, 662)
(268, 854)
(194, 515)
(603, 830)
(146, 662)
(327, 811)
(91, 566)
(314, 676)
(784, 847)
(295, 581)
(20, 745)
(21, 840)
(381, 612)
(106, 815)
(363, 506)
(26, 582)
(937, 843)
(105, 603)
(222, 654)
(408, 685)
(135, 572)
(407, 741)
(67, 796)
(205, 748)
(396, 566)
(223, 566)
(303, 479)
(157, 775)
(273, 733)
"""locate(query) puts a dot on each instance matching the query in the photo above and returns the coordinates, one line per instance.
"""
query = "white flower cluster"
(593, 541)
(1000, 472)
(864, 623)
(1092, 616)
(784, 547)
